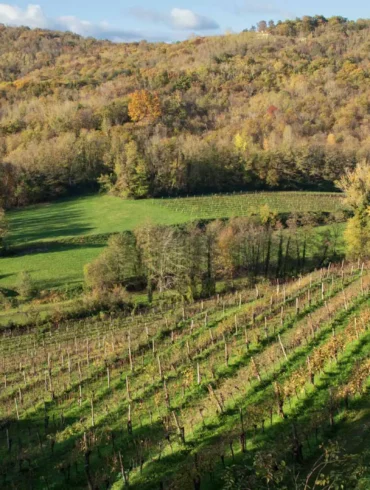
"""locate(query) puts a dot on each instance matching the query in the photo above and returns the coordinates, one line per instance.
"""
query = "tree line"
(308, 25)
(141, 167)
(190, 259)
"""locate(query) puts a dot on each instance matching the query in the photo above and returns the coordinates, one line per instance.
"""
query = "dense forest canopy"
(280, 106)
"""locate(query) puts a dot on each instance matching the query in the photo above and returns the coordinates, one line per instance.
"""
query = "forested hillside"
(284, 107)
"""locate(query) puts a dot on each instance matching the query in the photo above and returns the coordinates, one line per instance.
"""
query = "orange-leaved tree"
(144, 106)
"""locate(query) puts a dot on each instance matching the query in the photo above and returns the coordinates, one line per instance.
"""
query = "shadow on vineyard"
(249, 389)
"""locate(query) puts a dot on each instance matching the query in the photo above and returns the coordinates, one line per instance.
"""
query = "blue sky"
(167, 20)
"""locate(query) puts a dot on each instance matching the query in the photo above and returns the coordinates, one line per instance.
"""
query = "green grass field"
(60, 228)
(85, 216)
(102, 214)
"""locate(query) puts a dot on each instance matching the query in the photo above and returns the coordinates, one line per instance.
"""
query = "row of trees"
(190, 165)
(190, 259)
(50, 168)
(309, 25)
(140, 167)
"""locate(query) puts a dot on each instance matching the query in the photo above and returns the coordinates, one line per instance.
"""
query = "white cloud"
(33, 16)
(187, 19)
(177, 19)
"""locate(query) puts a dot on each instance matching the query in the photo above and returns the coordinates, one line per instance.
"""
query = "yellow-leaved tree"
(356, 185)
(331, 140)
(144, 107)
(240, 143)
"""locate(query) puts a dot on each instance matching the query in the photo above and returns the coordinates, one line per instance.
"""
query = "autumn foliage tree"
(144, 107)
(356, 185)
(119, 264)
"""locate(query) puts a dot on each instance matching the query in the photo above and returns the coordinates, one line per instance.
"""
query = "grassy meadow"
(54, 241)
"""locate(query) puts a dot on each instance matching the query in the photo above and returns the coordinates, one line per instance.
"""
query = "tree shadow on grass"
(57, 222)
(4, 276)
(51, 247)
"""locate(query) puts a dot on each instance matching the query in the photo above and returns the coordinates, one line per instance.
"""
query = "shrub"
(26, 287)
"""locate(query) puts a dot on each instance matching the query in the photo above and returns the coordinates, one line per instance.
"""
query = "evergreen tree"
(135, 175)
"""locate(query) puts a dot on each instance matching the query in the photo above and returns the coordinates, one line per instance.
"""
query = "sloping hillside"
(265, 388)
(285, 107)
